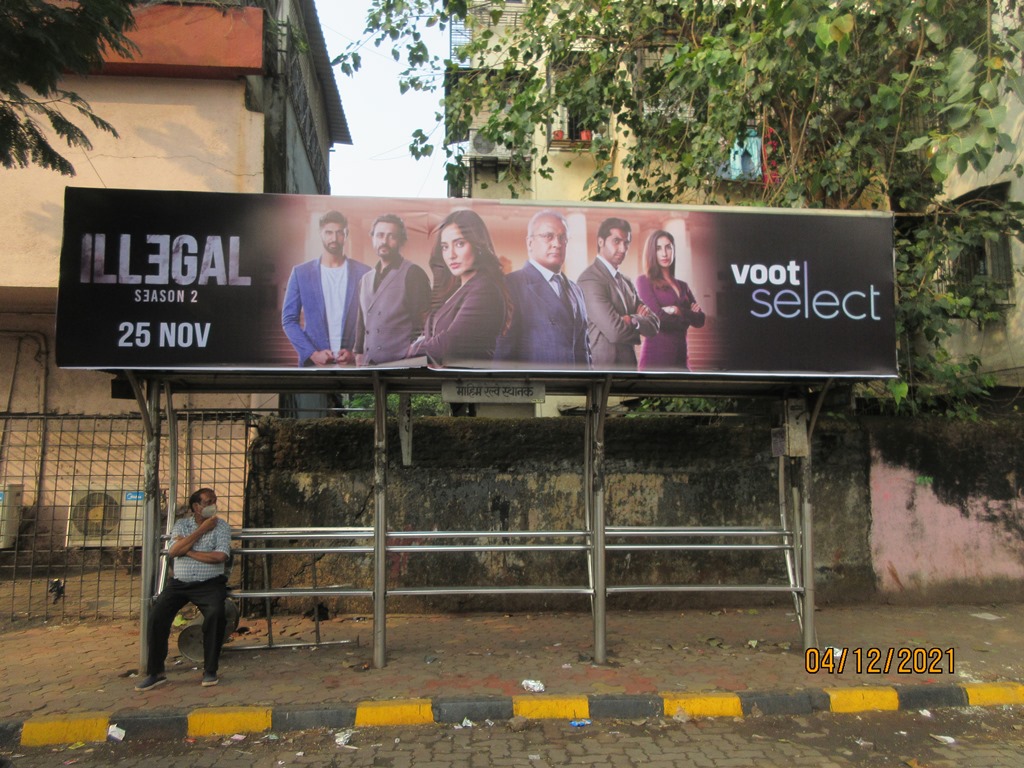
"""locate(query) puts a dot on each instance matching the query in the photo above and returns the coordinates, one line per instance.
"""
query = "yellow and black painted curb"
(210, 721)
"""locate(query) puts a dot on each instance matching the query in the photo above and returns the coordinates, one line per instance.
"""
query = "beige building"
(224, 96)
(217, 99)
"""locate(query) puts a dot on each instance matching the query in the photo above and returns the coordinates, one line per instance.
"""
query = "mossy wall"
(904, 510)
(499, 475)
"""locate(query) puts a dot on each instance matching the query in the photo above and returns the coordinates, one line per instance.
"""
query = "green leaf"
(917, 144)
(992, 117)
(898, 389)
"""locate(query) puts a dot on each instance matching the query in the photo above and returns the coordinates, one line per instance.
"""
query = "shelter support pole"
(172, 470)
(380, 528)
(599, 409)
(405, 427)
(810, 637)
(149, 405)
(807, 559)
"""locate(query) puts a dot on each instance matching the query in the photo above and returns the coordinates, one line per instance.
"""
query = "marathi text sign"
(179, 280)
(492, 391)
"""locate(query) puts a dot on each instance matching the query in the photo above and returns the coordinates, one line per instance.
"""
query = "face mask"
(209, 511)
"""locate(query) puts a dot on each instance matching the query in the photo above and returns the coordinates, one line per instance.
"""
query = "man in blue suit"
(320, 307)
(549, 323)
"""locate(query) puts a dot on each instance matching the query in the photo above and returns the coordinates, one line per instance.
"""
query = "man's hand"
(345, 357)
(322, 357)
(207, 525)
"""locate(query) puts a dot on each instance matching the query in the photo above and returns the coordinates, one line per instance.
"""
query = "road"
(982, 738)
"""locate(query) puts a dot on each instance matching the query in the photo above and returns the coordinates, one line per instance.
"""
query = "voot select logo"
(799, 299)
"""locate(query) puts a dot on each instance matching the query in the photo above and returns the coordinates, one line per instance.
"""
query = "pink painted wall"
(920, 544)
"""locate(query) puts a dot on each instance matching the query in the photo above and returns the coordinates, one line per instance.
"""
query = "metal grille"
(73, 489)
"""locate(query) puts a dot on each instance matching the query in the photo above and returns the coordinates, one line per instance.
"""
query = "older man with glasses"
(549, 323)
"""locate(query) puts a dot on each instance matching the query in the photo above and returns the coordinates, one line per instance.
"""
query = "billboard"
(211, 281)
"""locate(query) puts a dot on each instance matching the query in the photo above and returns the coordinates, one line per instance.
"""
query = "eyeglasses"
(548, 237)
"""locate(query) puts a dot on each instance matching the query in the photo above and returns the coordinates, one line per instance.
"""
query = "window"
(990, 259)
(744, 161)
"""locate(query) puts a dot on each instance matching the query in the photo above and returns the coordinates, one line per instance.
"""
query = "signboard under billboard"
(210, 281)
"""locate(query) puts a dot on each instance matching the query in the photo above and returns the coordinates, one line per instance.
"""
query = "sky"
(380, 119)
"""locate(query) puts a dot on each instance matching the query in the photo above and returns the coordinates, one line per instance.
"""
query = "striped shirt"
(217, 540)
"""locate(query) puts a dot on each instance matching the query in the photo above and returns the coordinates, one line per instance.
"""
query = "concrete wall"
(494, 475)
(947, 520)
(905, 511)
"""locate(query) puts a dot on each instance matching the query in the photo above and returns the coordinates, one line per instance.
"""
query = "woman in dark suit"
(674, 303)
(471, 304)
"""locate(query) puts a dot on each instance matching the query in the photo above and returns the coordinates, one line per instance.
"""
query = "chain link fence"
(73, 495)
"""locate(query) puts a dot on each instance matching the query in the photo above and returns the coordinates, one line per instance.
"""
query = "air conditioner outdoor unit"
(106, 518)
(481, 146)
(10, 511)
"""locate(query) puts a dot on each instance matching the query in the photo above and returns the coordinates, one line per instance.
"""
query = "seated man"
(200, 546)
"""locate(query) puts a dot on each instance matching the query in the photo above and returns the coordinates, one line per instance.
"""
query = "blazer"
(612, 340)
(667, 349)
(391, 317)
(543, 331)
(463, 330)
(305, 296)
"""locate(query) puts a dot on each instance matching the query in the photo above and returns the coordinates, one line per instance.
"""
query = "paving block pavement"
(70, 682)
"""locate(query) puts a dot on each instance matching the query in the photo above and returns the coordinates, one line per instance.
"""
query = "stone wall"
(494, 475)
(904, 510)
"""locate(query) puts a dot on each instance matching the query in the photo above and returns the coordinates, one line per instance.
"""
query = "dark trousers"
(208, 596)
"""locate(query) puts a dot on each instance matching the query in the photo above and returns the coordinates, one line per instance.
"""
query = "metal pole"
(405, 427)
(172, 469)
(150, 539)
(588, 488)
(380, 529)
(598, 542)
(806, 517)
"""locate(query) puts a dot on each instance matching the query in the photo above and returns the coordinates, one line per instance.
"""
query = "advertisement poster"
(210, 281)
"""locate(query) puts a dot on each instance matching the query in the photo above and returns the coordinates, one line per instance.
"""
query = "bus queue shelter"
(791, 539)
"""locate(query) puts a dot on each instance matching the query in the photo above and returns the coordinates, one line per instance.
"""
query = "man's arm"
(208, 557)
(602, 314)
(585, 323)
(221, 549)
(290, 312)
(359, 340)
(183, 545)
(647, 322)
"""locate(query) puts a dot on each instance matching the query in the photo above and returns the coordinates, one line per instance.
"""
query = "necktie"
(562, 289)
(624, 292)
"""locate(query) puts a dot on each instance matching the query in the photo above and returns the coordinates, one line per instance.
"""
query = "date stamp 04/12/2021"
(879, 661)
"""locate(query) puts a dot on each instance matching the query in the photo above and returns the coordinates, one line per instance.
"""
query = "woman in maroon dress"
(674, 303)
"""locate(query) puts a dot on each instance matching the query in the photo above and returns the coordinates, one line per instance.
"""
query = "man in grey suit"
(394, 298)
(617, 316)
(549, 323)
